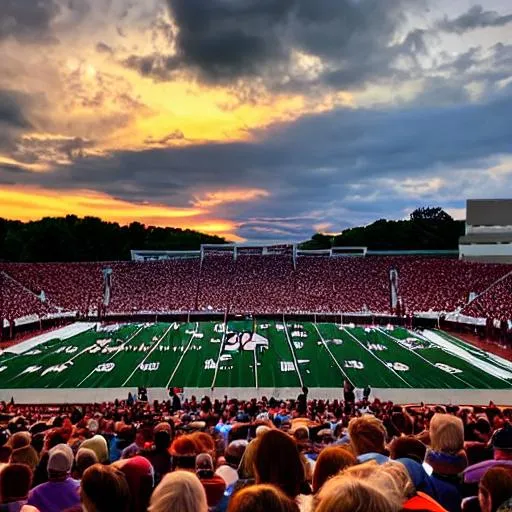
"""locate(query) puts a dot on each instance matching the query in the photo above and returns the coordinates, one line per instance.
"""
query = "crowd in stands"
(495, 303)
(18, 302)
(271, 284)
(255, 456)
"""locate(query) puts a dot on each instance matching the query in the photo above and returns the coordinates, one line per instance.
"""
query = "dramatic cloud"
(263, 119)
(318, 168)
(287, 45)
(28, 20)
(474, 18)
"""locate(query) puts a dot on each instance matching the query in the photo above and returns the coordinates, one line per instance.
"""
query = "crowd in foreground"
(255, 456)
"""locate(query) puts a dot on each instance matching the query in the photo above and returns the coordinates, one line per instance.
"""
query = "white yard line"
(293, 353)
(148, 354)
(255, 368)
(424, 359)
(489, 356)
(330, 353)
(378, 358)
(461, 353)
(182, 356)
(136, 333)
(64, 333)
(221, 348)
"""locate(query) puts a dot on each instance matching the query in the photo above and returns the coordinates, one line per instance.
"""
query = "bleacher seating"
(266, 284)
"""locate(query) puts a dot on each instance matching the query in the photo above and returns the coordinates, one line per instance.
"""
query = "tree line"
(429, 228)
(90, 239)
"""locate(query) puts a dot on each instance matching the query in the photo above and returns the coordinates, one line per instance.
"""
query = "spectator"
(495, 489)
(277, 461)
(501, 443)
(213, 484)
(25, 455)
(98, 445)
(15, 482)
(184, 451)
(345, 494)
(367, 438)
(139, 476)
(85, 458)
(179, 492)
(159, 455)
(447, 458)
(104, 489)
(407, 447)
(262, 498)
(331, 461)
(61, 491)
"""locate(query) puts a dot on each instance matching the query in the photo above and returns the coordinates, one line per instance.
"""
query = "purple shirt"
(474, 473)
(55, 496)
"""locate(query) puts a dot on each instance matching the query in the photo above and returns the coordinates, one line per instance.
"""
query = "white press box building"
(488, 231)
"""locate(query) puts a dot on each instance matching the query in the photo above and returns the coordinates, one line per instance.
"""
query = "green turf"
(252, 354)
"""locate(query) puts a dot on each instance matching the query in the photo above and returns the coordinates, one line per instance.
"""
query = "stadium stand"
(271, 284)
(18, 302)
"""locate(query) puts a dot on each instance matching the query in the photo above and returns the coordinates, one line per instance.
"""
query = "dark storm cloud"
(222, 41)
(12, 110)
(14, 117)
(28, 20)
(475, 17)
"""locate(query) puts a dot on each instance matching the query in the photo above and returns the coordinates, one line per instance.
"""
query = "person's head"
(407, 447)
(205, 442)
(495, 488)
(184, 450)
(99, 446)
(234, 452)
(204, 466)
(60, 461)
(163, 435)
(15, 482)
(103, 489)
(25, 455)
(277, 461)
(330, 462)
(367, 435)
(19, 440)
(139, 475)
(262, 498)
(246, 468)
(446, 433)
(177, 492)
(85, 458)
(401, 483)
(345, 494)
(501, 442)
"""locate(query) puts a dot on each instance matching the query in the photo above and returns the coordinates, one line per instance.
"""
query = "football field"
(266, 355)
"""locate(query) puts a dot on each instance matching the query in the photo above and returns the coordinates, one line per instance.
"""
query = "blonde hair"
(367, 434)
(346, 494)
(179, 491)
(391, 478)
(246, 467)
(446, 433)
(402, 483)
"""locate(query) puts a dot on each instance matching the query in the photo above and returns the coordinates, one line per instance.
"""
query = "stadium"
(257, 321)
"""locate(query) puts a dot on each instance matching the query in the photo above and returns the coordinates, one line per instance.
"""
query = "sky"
(259, 120)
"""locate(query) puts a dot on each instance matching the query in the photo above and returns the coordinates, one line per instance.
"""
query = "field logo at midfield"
(245, 341)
